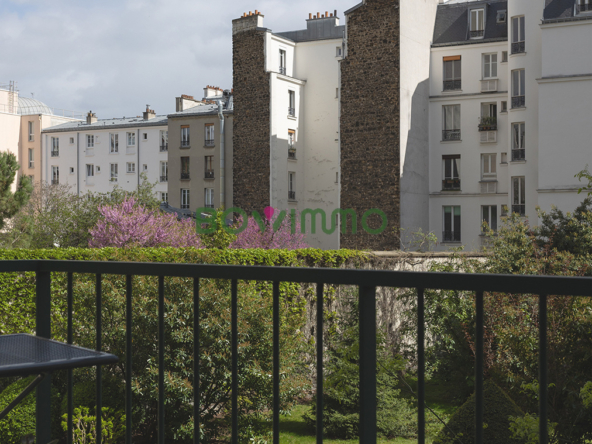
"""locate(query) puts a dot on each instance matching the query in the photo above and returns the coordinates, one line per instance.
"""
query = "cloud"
(116, 56)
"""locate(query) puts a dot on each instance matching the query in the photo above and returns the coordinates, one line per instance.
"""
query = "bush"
(497, 408)
(21, 420)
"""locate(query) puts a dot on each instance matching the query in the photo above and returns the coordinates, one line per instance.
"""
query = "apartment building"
(200, 161)
(97, 155)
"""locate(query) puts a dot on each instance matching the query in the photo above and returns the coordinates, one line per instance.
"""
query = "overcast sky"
(115, 56)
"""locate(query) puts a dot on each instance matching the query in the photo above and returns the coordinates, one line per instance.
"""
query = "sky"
(114, 57)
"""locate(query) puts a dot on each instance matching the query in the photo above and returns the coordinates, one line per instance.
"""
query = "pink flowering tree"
(131, 225)
(276, 234)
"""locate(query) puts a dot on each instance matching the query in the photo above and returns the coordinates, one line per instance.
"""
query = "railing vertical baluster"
(367, 365)
(543, 376)
(276, 363)
(70, 374)
(320, 376)
(161, 360)
(99, 400)
(43, 329)
(479, 368)
(234, 347)
(196, 377)
(128, 359)
(420, 366)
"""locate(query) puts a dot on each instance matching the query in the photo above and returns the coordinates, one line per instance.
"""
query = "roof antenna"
(33, 95)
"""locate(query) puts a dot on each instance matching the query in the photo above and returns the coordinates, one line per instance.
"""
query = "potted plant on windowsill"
(488, 124)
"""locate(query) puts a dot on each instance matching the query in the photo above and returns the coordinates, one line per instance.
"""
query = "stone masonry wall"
(369, 126)
(251, 132)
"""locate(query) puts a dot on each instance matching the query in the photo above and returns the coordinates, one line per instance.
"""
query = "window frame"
(90, 140)
(113, 172)
(491, 64)
(164, 170)
(113, 143)
(491, 216)
(519, 31)
(492, 163)
(480, 20)
(451, 172)
(164, 196)
(453, 223)
(185, 167)
(55, 174)
(130, 135)
(291, 103)
(90, 168)
(185, 136)
(283, 58)
(31, 131)
(209, 133)
(455, 79)
(31, 158)
(185, 198)
(130, 168)
(209, 197)
(518, 192)
(456, 121)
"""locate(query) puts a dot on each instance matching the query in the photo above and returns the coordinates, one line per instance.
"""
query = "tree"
(11, 202)
(271, 234)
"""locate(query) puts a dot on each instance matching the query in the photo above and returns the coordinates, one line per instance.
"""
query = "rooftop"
(125, 122)
(28, 106)
(318, 27)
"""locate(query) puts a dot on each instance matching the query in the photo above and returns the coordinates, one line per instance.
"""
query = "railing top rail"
(517, 284)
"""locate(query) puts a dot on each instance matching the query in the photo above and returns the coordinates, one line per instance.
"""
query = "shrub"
(21, 420)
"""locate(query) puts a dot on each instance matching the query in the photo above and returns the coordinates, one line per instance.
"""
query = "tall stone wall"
(251, 131)
(370, 147)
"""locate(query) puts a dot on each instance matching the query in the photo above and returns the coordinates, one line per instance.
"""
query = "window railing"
(55, 153)
(283, 70)
(291, 112)
(209, 174)
(291, 195)
(55, 181)
(451, 236)
(518, 154)
(209, 142)
(453, 134)
(451, 184)
(583, 7)
(519, 209)
(452, 85)
(183, 207)
(488, 124)
(185, 143)
(518, 102)
(208, 205)
(113, 179)
(475, 34)
(291, 153)
(518, 48)
(184, 176)
(164, 178)
(164, 147)
(366, 282)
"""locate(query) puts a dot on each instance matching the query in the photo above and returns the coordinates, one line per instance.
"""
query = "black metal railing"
(184, 176)
(164, 178)
(518, 48)
(184, 206)
(55, 153)
(291, 195)
(583, 7)
(283, 70)
(475, 34)
(519, 209)
(452, 85)
(451, 236)
(185, 143)
(367, 282)
(291, 153)
(518, 154)
(453, 134)
(209, 205)
(518, 102)
(55, 181)
(292, 112)
(164, 147)
(488, 124)
(450, 184)
(209, 142)
(209, 174)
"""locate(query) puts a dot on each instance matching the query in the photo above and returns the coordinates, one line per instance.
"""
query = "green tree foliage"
(21, 420)
(85, 426)
(11, 202)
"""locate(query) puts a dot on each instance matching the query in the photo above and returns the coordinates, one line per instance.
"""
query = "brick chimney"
(185, 102)
(248, 22)
(91, 118)
(212, 91)
(149, 113)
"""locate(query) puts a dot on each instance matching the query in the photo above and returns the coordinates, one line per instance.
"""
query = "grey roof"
(28, 106)
(316, 29)
(352, 9)
(561, 11)
(205, 110)
(181, 214)
(131, 122)
(452, 23)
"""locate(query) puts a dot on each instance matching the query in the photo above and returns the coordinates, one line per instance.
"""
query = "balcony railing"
(291, 153)
(518, 102)
(583, 7)
(164, 147)
(518, 48)
(209, 142)
(291, 112)
(452, 85)
(518, 154)
(209, 174)
(488, 124)
(185, 143)
(184, 206)
(184, 176)
(164, 178)
(291, 195)
(367, 282)
(55, 153)
(283, 70)
(55, 181)
(451, 236)
(519, 209)
(476, 34)
(453, 134)
(451, 184)
(208, 205)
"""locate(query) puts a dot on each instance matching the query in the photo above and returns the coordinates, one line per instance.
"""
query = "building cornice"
(291, 79)
(94, 127)
(500, 94)
(566, 78)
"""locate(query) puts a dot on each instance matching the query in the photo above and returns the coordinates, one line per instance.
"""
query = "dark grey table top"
(24, 354)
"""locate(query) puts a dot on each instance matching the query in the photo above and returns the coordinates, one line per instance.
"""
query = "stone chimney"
(212, 91)
(185, 102)
(149, 113)
(248, 22)
(91, 118)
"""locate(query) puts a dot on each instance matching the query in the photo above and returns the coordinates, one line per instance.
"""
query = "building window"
(518, 35)
(282, 62)
(477, 23)
(518, 196)
(164, 171)
(338, 51)
(31, 134)
(584, 5)
(504, 107)
(291, 142)
(292, 104)
(145, 136)
(518, 141)
(489, 217)
(501, 16)
(451, 224)
(292, 186)
(114, 172)
(518, 88)
(71, 170)
(209, 132)
(31, 158)
(450, 122)
(488, 167)
(451, 172)
(145, 167)
(90, 170)
(164, 140)
(131, 139)
(130, 167)
(490, 66)
(113, 143)
(184, 199)
(209, 197)
(488, 117)
(452, 73)
(90, 141)
(55, 175)
(185, 168)
(185, 136)
(164, 197)
(32, 177)
(504, 56)
(71, 140)
(209, 167)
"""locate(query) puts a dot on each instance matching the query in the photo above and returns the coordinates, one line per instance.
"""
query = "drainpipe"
(138, 157)
(78, 164)
(222, 156)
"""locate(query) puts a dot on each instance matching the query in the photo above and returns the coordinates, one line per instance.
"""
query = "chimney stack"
(91, 118)
(248, 22)
(149, 113)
